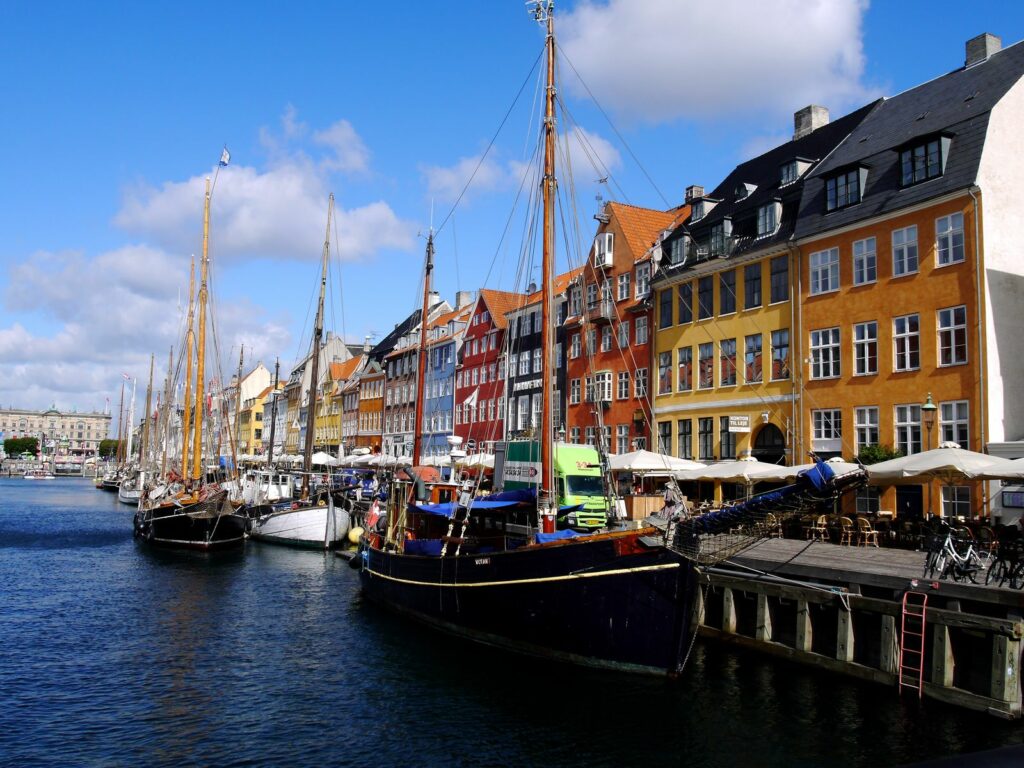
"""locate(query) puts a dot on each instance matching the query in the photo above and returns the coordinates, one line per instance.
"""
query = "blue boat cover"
(431, 547)
(448, 508)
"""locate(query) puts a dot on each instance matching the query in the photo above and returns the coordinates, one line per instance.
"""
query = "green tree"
(15, 446)
(108, 448)
(872, 454)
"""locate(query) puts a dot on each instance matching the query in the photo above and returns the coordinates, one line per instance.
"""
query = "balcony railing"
(601, 311)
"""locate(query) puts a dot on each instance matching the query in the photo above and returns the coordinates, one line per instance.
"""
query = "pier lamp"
(928, 417)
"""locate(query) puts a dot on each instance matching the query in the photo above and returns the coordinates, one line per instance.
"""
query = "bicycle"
(947, 556)
(1008, 565)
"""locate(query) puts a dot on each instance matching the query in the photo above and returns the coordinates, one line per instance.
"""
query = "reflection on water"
(115, 653)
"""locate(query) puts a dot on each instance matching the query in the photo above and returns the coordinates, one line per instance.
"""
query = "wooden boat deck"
(883, 568)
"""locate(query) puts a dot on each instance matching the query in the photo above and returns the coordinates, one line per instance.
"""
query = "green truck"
(577, 475)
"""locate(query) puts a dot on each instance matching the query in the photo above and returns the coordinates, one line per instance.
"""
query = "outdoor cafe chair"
(866, 534)
(846, 531)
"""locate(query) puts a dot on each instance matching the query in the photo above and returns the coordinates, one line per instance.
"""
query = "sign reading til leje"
(739, 423)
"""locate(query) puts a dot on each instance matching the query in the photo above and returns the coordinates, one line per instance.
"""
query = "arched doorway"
(769, 445)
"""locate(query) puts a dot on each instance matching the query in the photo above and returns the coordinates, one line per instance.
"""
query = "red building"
(608, 331)
(480, 377)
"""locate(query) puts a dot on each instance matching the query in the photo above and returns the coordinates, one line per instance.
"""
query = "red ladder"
(915, 607)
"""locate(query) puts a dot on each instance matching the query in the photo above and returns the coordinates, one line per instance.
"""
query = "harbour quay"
(853, 610)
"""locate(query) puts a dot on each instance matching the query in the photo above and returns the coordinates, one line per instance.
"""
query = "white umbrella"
(321, 458)
(480, 460)
(438, 461)
(741, 471)
(648, 461)
(782, 473)
(949, 464)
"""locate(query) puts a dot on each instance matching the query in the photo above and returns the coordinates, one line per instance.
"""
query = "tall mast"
(547, 489)
(144, 443)
(236, 446)
(314, 363)
(186, 419)
(273, 413)
(204, 266)
(168, 407)
(129, 426)
(120, 423)
(422, 362)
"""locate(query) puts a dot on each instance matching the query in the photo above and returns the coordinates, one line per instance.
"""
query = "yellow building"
(328, 435)
(723, 311)
(250, 423)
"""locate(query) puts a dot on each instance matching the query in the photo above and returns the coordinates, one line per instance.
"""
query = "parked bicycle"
(1008, 565)
(952, 554)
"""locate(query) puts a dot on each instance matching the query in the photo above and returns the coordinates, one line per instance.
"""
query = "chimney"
(981, 47)
(462, 298)
(809, 119)
(435, 298)
(366, 345)
(694, 192)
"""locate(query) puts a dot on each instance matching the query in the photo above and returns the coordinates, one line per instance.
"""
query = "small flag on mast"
(225, 157)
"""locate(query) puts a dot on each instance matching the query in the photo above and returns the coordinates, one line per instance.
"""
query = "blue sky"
(114, 113)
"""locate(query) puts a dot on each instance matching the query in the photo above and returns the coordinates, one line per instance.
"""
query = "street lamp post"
(928, 417)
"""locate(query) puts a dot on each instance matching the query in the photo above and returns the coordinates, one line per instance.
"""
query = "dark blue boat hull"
(605, 602)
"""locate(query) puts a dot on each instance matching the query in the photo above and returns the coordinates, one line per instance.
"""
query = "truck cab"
(578, 478)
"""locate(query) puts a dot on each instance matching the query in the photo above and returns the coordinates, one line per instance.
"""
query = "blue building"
(444, 340)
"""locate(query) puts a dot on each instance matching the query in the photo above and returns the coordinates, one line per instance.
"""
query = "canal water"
(113, 654)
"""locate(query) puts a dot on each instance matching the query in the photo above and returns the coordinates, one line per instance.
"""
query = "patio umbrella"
(782, 473)
(321, 458)
(479, 460)
(648, 461)
(742, 471)
(948, 464)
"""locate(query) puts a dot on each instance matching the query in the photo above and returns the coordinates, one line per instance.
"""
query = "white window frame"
(824, 271)
(906, 343)
(575, 346)
(826, 360)
(623, 286)
(865, 426)
(905, 254)
(949, 239)
(865, 261)
(865, 348)
(641, 331)
(574, 392)
(640, 383)
(643, 280)
(951, 328)
(623, 386)
(907, 428)
(623, 334)
(955, 422)
(956, 501)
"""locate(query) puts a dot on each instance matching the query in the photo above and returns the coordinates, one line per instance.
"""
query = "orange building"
(608, 330)
(370, 416)
(910, 327)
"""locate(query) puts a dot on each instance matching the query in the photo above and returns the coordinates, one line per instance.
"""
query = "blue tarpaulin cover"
(446, 509)
(423, 547)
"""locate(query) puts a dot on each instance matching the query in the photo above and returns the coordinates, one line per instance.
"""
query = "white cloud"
(591, 156)
(445, 183)
(350, 153)
(276, 214)
(662, 59)
(109, 313)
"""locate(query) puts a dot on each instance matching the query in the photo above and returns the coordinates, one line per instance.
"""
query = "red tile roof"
(341, 371)
(641, 226)
(500, 302)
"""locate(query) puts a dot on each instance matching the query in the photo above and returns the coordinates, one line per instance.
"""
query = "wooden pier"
(840, 608)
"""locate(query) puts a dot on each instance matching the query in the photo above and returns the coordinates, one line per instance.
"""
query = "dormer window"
(604, 249)
(768, 218)
(679, 249)
(793, 170)
(696, 210)
(844, 188)
(923, 160)
(720, 234)
(744, 189)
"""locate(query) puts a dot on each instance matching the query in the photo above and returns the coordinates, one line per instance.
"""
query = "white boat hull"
(310, 527)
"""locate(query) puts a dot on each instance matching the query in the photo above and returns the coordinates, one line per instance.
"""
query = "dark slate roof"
(764, 172)
(956, 104)
(388, 343)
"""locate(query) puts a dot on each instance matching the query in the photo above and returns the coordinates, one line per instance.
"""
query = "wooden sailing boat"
(491, 570)
(200, 516)
(313, 521)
